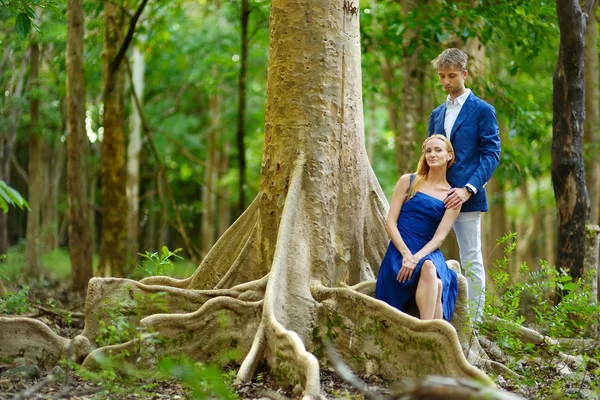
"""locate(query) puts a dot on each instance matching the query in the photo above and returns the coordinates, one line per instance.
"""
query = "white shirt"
(452, 110)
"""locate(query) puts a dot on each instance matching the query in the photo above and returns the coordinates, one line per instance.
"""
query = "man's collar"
(460, 100)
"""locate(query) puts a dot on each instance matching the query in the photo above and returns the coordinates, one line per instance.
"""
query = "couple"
(463, 134)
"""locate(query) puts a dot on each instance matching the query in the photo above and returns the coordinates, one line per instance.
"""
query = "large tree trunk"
(8, 136)
(134, 151)
(242, 107)
(568, 176)
(592, 114)
(113, 247)
(32, 250)
(80, 246)
(277, 282)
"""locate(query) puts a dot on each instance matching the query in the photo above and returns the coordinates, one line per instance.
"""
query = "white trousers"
(467, 228)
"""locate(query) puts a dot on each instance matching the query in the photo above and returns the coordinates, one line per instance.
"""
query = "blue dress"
(417, 223)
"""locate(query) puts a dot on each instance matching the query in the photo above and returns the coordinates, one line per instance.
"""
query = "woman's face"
(436, 153)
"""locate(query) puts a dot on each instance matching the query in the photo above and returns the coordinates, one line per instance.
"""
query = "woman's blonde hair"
(423, 168)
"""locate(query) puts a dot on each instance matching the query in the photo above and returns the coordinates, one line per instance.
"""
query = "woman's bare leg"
(439, 314)
(427, 289)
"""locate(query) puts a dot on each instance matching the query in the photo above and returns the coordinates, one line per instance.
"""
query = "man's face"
(452, 79)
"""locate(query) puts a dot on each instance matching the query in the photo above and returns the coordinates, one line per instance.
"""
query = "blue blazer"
(476, 141)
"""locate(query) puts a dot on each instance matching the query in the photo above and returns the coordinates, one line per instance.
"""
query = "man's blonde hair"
(451, 58)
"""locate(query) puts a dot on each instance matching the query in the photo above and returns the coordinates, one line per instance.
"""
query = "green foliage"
(531, 301)
(118, 377)
(16, 302)
(203, 381)
(159, 263)
(126, 373)
(9, 196)
(26, 17)
(119, 323)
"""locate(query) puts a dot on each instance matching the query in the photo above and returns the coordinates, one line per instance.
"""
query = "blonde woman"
(414, 269)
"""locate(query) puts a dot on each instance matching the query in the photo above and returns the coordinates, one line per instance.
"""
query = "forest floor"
(49, 300)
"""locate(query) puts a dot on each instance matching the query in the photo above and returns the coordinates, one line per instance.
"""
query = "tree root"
(32, 341)
(380, 338)
(235, 251)
(550, 347)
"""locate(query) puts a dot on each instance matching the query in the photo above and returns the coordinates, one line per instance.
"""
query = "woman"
(414, 269)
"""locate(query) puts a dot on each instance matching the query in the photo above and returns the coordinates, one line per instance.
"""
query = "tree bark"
(224, 208)
(32, 250)
(242, 107)
(568, 176)
(591, 125)
(113, 246)
(9, 135)
(209, 191)
(80, 246)
(408, 137)
(134, 151)
(53, 170)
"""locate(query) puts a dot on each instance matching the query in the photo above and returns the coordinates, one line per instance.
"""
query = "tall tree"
(241, 131)
(113, 247)
(134, 151)
(568, 176)
(211, 174)
(411, 99)
(592, 114)
(8, 136)
(32, 249)
(80, 249)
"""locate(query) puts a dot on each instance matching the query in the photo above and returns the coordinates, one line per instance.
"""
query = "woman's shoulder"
(406, 178)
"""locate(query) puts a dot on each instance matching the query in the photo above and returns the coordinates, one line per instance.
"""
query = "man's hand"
(456, 197)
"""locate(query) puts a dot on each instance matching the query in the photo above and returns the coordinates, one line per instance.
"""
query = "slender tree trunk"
(80, 248)
(223, 206)
(568, 176)
(54, 165)
(497, 223)
(9, 137)
(592, 114)
(134, 151)
(391, 97)
(209, 192)
(527, 229)
(32, 250)
(92, 186)
(408, 136)
(113, 247)
(242, 107)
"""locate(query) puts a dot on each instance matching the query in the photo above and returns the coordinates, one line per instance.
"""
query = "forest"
(193, 197)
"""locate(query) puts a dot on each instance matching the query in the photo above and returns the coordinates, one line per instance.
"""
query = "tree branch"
(114, 64)
(588, 8)
(19, 168)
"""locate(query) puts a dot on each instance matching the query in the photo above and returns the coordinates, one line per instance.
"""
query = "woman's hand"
(408, 267)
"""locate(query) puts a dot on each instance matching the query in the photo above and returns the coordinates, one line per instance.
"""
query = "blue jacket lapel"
(439, 126)
(464, 113)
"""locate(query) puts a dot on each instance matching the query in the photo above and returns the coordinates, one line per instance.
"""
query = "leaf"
(3, 205)
(23, 24)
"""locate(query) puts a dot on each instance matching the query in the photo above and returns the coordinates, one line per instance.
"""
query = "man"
(470, 124)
